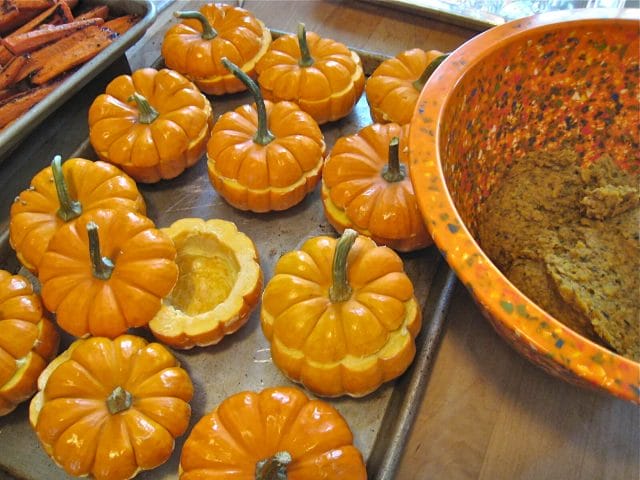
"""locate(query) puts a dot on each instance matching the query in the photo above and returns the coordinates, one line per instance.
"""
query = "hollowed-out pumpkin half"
(218, 286)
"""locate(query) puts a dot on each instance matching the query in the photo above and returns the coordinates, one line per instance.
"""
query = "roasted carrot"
(63, 13)
(35, 21)
(101, 11)
(13, 107)
(10, 71)
(121, 24)
(33, 40)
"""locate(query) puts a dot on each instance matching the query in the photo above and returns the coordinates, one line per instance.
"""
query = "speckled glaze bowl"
(531, 84)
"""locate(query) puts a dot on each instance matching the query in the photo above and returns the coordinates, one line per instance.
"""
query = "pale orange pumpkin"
(341, 315)
(111, 408)
(28, 340)
(277, 433)
(366, 186)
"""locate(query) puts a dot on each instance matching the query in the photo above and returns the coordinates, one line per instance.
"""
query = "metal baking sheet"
(380, 421)
(16, 132)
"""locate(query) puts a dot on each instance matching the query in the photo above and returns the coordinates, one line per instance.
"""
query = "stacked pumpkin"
(341, 315)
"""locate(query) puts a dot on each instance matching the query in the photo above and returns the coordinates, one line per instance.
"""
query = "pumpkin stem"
(208, 32)
(394, 171)
(422, 79)
(274, 467)
(263, 136)
(340, 290)
(148, 114)
(306, 60)
(119, 400)
(69, 209)
(101, 266)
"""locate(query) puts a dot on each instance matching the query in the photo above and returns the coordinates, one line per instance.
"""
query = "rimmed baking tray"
(16, 132)
(380, 421)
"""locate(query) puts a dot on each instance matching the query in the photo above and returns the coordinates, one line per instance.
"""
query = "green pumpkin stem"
(208, 32)
(306, 60)
(69, 209)
(340, 289)
(263, 136)
(101, 266)
(274, 467)
(119, 400)
(394, 171)
(428, 71)
(148, 114)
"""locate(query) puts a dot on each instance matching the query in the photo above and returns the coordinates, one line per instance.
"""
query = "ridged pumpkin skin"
(111, 408)
(219, 284)
(327, 90)
(346, 347)
(241, 37)
(150, 145)
(28, 341)
(275, 176)
(33, 215)
(393, 88)
(355, 193)
(144, 272)
(248, 427)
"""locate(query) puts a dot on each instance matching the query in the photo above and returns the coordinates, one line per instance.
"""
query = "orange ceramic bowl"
(530, 84)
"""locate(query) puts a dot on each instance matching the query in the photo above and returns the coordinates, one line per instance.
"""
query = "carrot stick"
(33, 40)
(121, 24)
(5, 55)
(13, 107)
(10, 71)
(34, 22)
(101, 11)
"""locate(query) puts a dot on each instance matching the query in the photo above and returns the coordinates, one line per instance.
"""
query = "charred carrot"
(10, 71)
(121, 24)
(33, 40)
(13, 107)
(101, 11)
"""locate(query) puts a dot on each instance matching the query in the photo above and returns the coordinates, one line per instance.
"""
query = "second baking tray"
(380, 421)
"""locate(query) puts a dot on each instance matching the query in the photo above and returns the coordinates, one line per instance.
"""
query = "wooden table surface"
(487, 413)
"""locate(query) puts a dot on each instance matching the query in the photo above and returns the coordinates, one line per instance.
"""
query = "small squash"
(58, 194)
(106, 272)
(218, 286)
(196, 46)
(265, 156)
(321, 75)
(28, 341)
(366, 186)
(111, 408)
(153, 124)
(341, 315)
(277, 433)
(393, 88)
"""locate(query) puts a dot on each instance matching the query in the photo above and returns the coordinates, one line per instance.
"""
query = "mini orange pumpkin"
(28, 341)
(265, 156)
(106, 272)
(321, 75)
(393, 88)
(111, 408)
(219, 283)
(196, 46)
(277, 433)
(366, 186)
(58, 194)
(341, 315)
(153, 124)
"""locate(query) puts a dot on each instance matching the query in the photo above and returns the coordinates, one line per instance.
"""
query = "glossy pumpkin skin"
(346, 347)
(393, 88)
(151, 147)
(327, 90)
(241, 37)
(275, 176)
(144, 272)
(355, 193)
(87, 429)
(33, 215)
(28, 341)
(248, 427)
(219, 284)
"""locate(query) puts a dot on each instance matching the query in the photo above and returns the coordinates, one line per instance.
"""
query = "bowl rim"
(589, 362)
